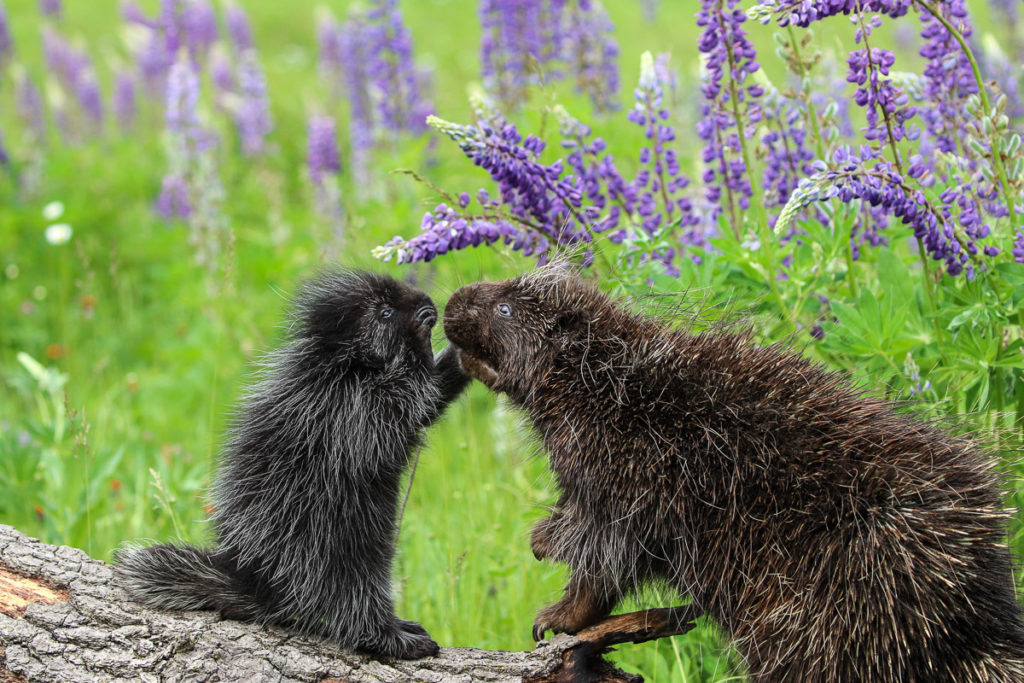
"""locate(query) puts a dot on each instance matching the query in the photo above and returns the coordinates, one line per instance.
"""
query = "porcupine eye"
(386, 312)
(504, 310)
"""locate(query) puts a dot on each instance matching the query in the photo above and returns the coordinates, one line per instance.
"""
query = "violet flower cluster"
(371, 56)
(787, 158)
(888, 173)
(324, 165)
(526, 42)
(76, 76)
(731, 110)
(192, 189)
(569, 202)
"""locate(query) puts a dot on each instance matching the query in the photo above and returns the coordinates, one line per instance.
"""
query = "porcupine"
(831, 536)
(305, 498)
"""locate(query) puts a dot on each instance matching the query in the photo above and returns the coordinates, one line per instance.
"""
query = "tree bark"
(64, 618)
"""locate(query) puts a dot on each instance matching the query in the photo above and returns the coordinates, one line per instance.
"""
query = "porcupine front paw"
(566, 616)
(408, 640)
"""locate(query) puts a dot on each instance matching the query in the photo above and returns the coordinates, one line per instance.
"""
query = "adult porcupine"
(833, 538)
(306, 495)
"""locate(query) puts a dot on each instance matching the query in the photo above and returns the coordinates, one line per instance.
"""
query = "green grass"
(123, 449)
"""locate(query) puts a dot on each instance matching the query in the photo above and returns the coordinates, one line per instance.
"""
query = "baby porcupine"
(306, 495)
(831, 537)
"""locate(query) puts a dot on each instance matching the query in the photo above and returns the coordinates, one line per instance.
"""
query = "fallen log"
(63, 617)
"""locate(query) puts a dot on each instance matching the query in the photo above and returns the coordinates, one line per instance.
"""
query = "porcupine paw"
(540, 539)
(408, 640)
(562, 617)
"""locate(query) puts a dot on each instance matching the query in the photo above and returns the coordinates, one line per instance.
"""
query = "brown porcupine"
(832, 537)
(305, 498)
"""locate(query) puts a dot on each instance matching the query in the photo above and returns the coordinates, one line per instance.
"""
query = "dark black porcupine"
(305, 498)
(833, 538)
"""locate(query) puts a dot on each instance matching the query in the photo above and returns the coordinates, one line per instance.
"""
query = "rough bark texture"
(64, 618)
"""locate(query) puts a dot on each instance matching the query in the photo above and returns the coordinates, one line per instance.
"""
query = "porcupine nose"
(427, 315)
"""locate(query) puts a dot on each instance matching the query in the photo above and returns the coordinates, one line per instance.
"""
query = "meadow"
(131, 324)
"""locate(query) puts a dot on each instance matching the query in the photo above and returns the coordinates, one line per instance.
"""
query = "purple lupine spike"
(324, 165)
(787, 157)
(199, 23)
(514, 44)
(124, 104)
(1018, 246)
(30, 107)
(322, 147)
(173, 201)
(87, 92)
(392, 70)
(725, 123)
(222, 75)
(330, 52)
(591, 53)
(172, 22)
(239, 27)
(356, 58)
(949, 79)
(805, 12)
(253, 114)
(6, 42)
(50, 8)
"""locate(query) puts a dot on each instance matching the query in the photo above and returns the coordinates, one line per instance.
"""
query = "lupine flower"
(253, 114)
(731, 109)
(519, 37)
(30, 107)
(396, 79)
(805, 12)
(324, 165)
(949, 79)
(6, 43)
(222, 75)
(661, 205)
(51, 8)
(591, 53)
(322, 148)
(538, 205)
(238, 27)
(356, 58)
(1018, 246)
(192, 189)
(200, 27)
(124, 104)
(787, 157)
(330, 52)
(864, 176)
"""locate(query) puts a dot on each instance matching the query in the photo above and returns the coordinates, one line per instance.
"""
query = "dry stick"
(642, 626)
(584, 661)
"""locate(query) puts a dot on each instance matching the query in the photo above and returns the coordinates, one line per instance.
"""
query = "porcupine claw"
(538, 632)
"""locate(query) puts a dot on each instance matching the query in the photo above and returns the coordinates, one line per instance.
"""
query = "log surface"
(70, 621)
(63, 617)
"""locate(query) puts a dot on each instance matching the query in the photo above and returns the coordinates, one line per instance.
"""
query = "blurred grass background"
(117, 439)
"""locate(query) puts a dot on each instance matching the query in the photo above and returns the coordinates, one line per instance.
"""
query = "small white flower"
(53, 211)
(58, 233)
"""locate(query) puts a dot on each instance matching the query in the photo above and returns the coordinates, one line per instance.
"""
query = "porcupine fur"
(832, 537)
(305, 498)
